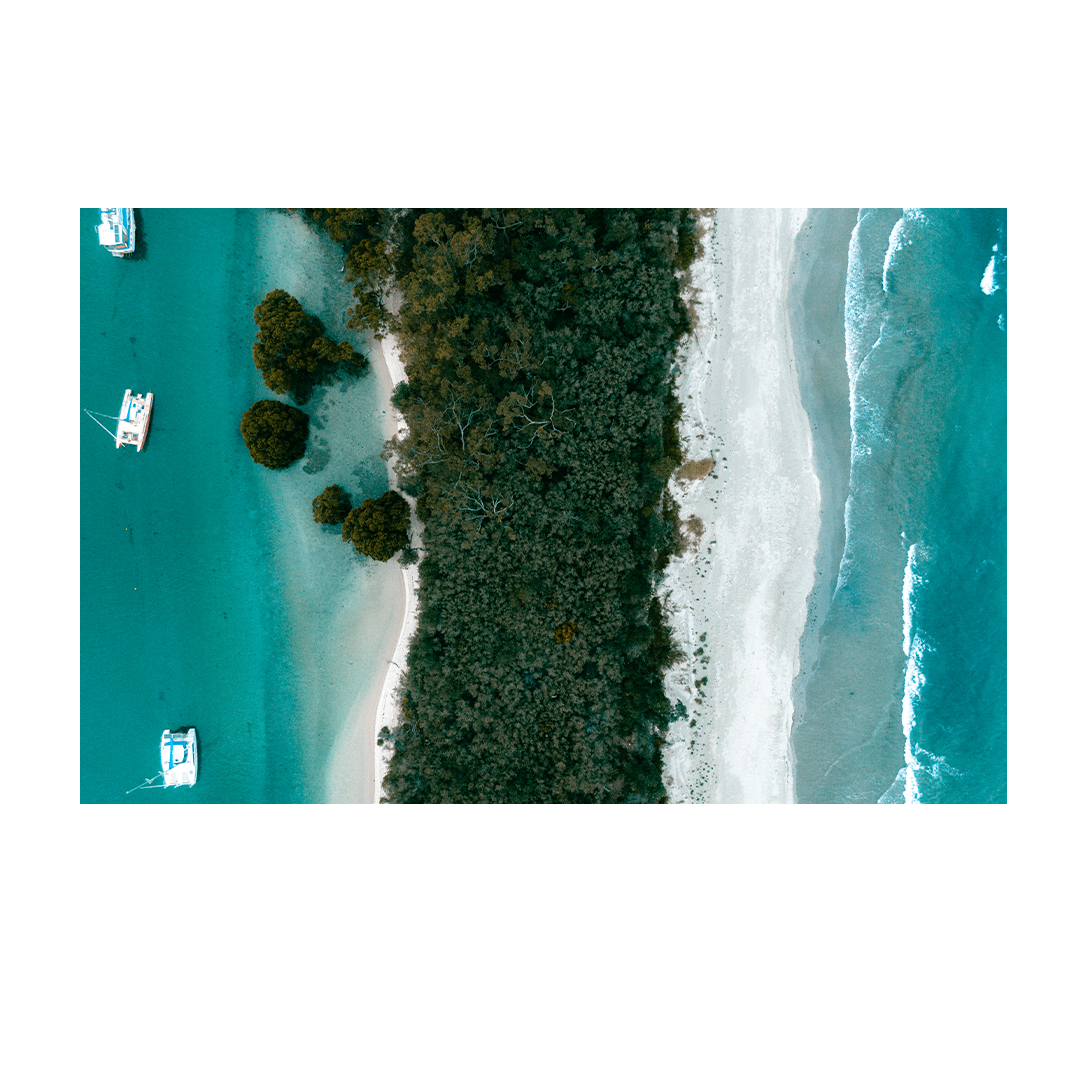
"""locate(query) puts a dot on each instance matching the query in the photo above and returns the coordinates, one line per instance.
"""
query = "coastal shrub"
(292, 350)
(332, 506)
(274, 433)
(690, 232)
(696, 470)
(672, 415)
(378, 527)
(693, 528)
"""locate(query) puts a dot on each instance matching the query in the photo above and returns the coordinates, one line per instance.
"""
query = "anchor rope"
(112, 434)
(148, 783)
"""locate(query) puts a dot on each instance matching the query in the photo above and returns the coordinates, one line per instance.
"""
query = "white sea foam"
(896, 242)
(853, 309)
(913, 679)
(868, 427)
(901, 237)
(861, 312)
(987, 284)
(936, 766)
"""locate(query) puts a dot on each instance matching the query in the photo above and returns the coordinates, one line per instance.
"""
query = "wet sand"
(816, 310)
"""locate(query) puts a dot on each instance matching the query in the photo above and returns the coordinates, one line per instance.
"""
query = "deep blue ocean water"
(907, 702)
(201, 602)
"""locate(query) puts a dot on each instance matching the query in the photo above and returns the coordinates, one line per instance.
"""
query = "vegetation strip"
(542, 430)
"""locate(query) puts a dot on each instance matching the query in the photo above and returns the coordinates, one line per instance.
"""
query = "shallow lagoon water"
(208, 595)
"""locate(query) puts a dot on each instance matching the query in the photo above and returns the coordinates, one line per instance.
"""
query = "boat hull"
(179, 757)
(146, 423)
(133, 424)
(116, 233)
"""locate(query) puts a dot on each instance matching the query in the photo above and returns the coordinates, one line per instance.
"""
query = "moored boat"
(133, 423)
(116, 233)
(179, 757)
(179, 761)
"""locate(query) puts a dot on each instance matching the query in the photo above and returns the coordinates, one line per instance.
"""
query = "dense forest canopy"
(542, 430)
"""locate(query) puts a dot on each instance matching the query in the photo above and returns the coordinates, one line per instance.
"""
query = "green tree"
(332, 506)
(291, 347)
(365, 236)
(274, 433)
(378, 527)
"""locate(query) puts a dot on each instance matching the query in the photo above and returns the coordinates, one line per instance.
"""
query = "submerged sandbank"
(356, 765)
(737, 599)
(816, 311)
(326, 600)
(351, 768)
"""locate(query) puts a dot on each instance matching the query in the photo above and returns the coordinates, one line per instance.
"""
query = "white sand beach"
(356, 764)
(740, 593)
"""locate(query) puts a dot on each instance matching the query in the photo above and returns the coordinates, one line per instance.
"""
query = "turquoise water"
(208, 596)
(907, 700)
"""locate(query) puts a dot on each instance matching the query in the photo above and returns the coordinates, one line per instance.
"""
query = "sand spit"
(738, 597)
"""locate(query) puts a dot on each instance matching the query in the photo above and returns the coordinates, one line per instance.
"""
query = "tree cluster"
(542, 429)
(274, 433)
(378, 528)
(371, 241)
(292, 350)
(331, 506)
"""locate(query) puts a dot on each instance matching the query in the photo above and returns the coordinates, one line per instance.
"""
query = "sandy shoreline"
(356, 765)
(738, 598)
(386, 711)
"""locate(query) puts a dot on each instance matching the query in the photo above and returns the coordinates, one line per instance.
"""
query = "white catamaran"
(116, 233)
(179, 760)
(133, 423)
